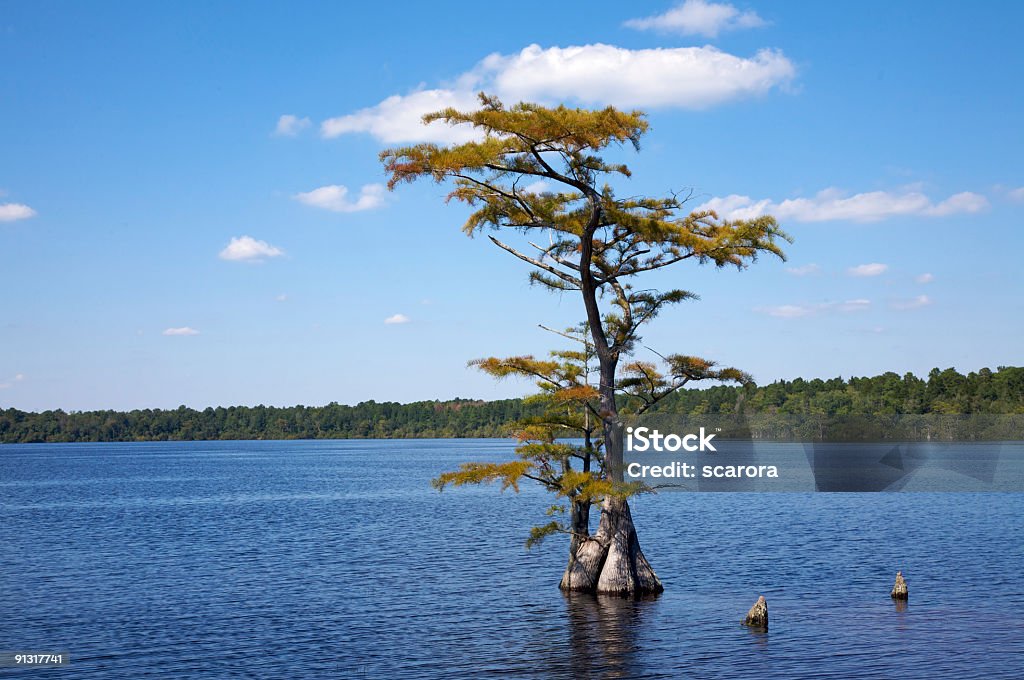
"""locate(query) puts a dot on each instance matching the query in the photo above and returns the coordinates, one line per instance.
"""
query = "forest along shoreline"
(775, 411)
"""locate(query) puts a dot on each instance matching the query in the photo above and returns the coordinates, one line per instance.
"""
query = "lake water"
(337, 559)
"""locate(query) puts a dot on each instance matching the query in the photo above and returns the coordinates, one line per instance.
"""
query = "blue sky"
(190, 210)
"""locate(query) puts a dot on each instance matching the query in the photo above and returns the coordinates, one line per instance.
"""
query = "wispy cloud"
(290, 126)
(805, 270)
(334, 197)
(924, 278)
(912, 303)
(183, 330)
(802, 310)
(698, 17)
(538, 187)
(281, 298)
(833, 204)
(12, 381)
(595, 74)
(397, 318)
(873, 269)
(10, 212)
(1016, 194)
(248, 249)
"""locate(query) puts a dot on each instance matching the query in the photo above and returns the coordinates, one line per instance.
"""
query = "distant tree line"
(943, 392)
(368, 420)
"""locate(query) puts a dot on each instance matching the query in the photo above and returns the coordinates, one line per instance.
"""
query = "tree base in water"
(611, 561)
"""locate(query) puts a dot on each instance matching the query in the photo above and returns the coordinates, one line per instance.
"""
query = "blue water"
(337, 559)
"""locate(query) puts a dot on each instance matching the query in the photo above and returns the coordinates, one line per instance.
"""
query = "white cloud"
(397, 318)
(798, 311)
(698, 17)
(833, 204)
(10, 383)
(857, 305)
(873, 269)
(686, 77)
(1016, 194)
(9, 212)
(924, 278)
(595, 74)
(290, 126)
(398, 118)
(281, 298)
(538, 187)
(913, 303)
(334, 197)
(184, 330)
(248, 249)
(804, 270)
(787, 311)
(964, 202)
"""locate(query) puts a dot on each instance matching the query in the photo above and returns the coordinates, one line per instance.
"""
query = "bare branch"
(537, 263)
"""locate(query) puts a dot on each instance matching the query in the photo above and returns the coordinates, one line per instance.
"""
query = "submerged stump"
(757, 617)
(899, 590)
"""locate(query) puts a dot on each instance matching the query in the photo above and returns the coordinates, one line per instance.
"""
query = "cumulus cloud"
(832, 204)
(10, 212)
(873, 269)
(798, 311)
(397, 318)
(924, 278)
(594, 74)
(334, 197)
(912, 303)
(248, 249)
(184, 330)
(686, 77)
(805, 270)
(290, 126)
(698, 17)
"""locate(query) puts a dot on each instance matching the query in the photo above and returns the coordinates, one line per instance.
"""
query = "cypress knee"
(757, 617)
(899, 590)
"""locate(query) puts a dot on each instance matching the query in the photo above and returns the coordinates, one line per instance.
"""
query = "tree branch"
(537, 263)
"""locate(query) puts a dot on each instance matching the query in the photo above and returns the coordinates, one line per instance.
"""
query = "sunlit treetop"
(538, 169)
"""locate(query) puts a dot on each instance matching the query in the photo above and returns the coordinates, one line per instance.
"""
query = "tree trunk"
(611, 561)
(580, 526)
(625, 571)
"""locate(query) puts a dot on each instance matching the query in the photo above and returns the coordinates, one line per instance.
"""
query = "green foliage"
(509, 474)
(943, 391)
(947, 391)
(457, 418)
(539, 533)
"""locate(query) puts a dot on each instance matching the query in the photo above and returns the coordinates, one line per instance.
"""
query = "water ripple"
(337, 559)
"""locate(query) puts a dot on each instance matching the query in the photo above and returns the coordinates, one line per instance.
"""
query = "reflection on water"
(603, 633)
